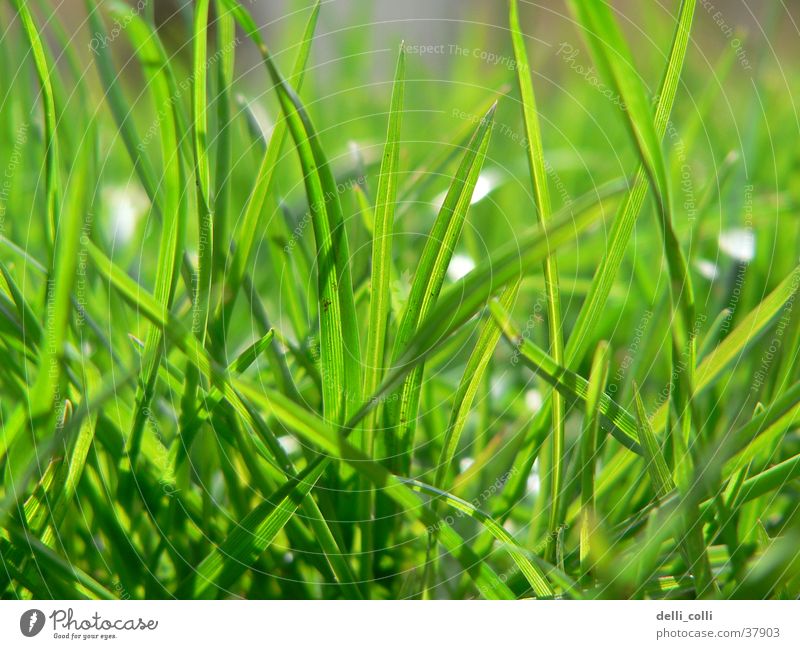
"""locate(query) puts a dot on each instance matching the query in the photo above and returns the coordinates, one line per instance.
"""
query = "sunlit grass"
(301, 336)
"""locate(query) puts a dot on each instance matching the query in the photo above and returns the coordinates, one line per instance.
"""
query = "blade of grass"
(52, 170)
(589, 451)
(120, 110)
(731, 349)
(202, 169)
(533, 574)
(656, 466)
(538, 174)
(383, 227)
(401, 413)
(622, 226)
(462, 404)
(691, 538)
(226, 41)
(251, 537)
(619, 235)
(380, 287)
(45, 399)
(52, 564)
(733, 346)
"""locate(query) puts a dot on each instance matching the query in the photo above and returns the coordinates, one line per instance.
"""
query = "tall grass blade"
(401, 413)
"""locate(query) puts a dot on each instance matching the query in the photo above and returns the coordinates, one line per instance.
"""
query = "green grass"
(271, 382)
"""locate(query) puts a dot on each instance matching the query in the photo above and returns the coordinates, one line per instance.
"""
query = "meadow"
(501, 305)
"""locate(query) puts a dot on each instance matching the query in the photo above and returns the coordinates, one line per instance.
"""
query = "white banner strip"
(400, 625)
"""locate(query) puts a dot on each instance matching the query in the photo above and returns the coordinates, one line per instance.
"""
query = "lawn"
(329, 304)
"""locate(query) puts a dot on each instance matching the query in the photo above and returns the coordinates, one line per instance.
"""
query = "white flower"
(125, 205)
(533, 399)
(707, 269)
(460, 265)
(533, 484)
(739, 244)
(487, 182)
(289, 444)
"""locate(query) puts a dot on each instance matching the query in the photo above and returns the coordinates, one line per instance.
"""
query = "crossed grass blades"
(251, 395)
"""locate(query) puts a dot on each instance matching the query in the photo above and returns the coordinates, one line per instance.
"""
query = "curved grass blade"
(202, 167)
(622, 226)
(52, 181)
(538, 174)
(652, 452)
(49, 509)
(533, 574)
(380, 304)
(731, 349)
(252, 536)
(434, 165)
(200, 358)
(292, 416)
(589, 451)
(44, 404)
(733, 346)
(226, 37)
(468, 388)
(383, 227)
(691, 538)
(82, 585)
(462, 404)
